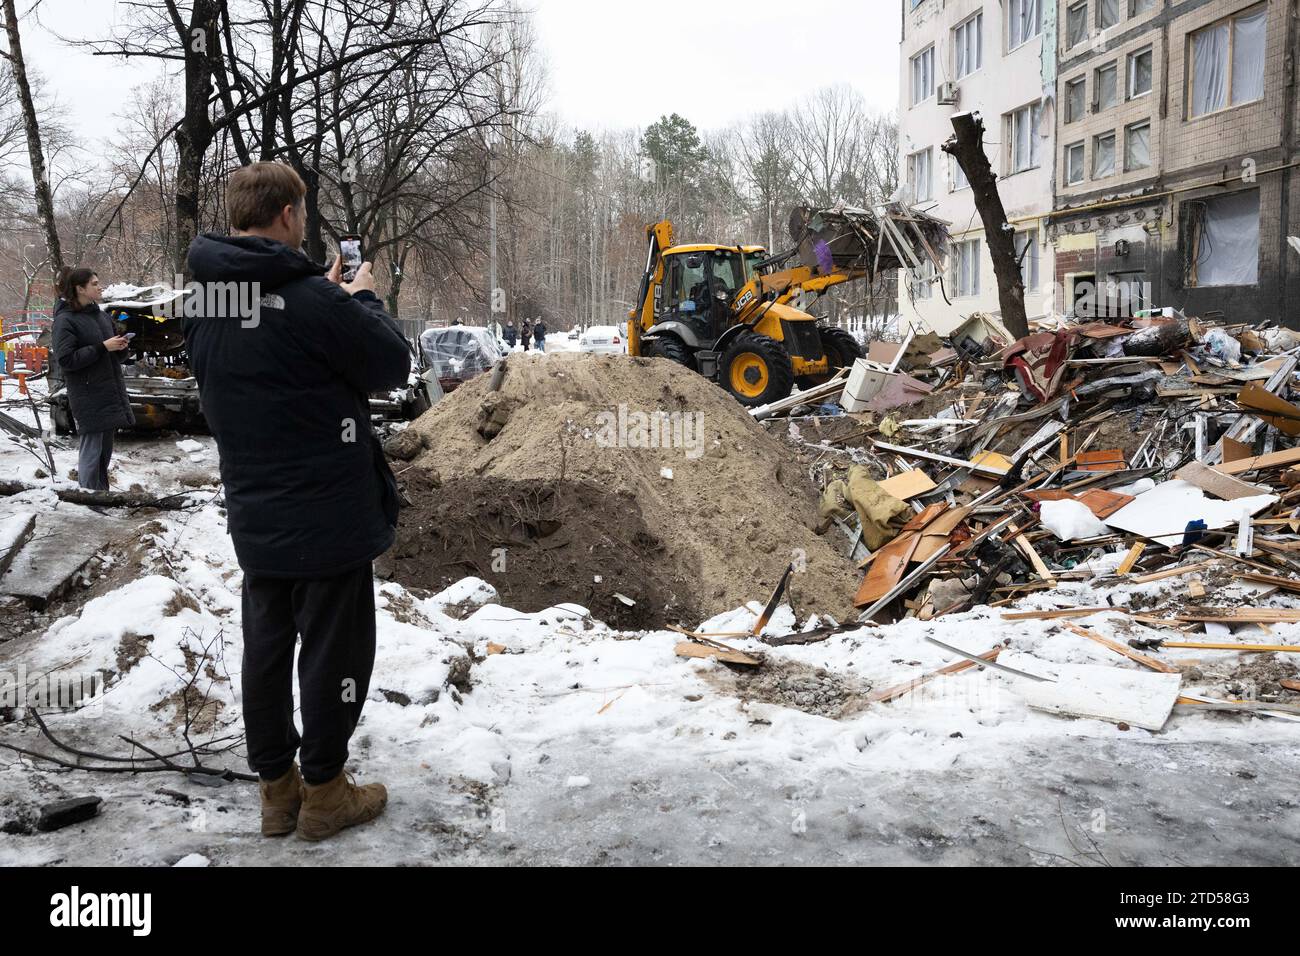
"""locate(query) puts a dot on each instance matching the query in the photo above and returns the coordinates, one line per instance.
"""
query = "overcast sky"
(613, 63)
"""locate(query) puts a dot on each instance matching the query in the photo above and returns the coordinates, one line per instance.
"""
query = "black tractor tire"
(671, 348)
(756, 370)
(840, 347)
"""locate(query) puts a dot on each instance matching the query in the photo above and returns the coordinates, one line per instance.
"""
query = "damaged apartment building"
(1176, 157)
(1153, 162)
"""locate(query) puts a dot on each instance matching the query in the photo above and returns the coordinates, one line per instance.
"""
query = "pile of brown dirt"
(568, 499)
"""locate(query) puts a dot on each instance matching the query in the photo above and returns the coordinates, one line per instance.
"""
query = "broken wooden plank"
(1285, 417)
(908, 484)
(1172, 572)
(1123, 649)
(1241, 615)
(1275, 459)
(898, 690)
(1212, 481)
(1274, 580)
(1244, 648)
(727, 656)
(1131, 558)
(940, 459)
(1053, 615)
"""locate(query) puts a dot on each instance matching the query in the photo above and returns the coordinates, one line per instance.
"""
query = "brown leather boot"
(281, 800)
(328, 808)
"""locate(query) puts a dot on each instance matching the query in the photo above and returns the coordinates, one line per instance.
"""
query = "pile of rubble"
(985, 471)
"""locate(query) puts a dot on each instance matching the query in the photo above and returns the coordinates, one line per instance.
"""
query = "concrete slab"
(15, 531)
(60, 545)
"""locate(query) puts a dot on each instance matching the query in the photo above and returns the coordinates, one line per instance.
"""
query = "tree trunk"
(967, 147)
(195, 134)
(35, 152)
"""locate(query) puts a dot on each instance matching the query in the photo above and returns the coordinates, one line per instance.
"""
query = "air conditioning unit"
(948, 94)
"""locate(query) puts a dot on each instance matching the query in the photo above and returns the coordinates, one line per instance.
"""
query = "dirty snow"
(549, 737)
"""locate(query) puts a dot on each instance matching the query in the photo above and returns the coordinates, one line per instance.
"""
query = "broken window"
(1075, 100)
(1228, 62)
(1027, 256)
(1139, 73)
(1137, 146)
(966, 268)
(1221, 240)
(1022, 129)
(1106, 87)
(919, 174)
(1107, 13)
(1103, 156)
(968, 42)
(923, 75)
(1076, 25)
(1074, 164)
(1024, 21)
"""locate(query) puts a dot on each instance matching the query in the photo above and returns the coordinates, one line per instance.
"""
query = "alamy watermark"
(82, 691)
(220, 300)
(625, 428)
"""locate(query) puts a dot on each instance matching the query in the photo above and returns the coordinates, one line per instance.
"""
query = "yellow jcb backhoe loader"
(727, 312)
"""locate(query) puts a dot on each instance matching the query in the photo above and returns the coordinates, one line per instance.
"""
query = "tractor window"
(728, 270)
(685, 280)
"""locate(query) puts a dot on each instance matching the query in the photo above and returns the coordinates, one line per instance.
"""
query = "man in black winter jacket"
(310, 499)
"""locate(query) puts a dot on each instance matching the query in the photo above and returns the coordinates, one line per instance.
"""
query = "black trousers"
(335, 618)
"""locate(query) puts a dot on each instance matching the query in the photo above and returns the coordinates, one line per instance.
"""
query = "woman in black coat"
(90, 355)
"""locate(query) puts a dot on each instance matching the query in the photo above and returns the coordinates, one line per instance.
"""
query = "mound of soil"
(556, 489)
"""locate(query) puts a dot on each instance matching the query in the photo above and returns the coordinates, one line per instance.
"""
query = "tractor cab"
(700, 283)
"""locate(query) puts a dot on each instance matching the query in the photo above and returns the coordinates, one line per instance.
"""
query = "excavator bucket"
(846, 238)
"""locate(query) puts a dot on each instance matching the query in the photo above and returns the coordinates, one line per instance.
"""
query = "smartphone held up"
(350, 253)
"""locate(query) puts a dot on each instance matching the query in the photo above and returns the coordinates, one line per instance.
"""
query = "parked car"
(603, 339)
(458, 353)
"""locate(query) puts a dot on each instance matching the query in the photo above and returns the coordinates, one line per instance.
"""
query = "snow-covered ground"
(550, 738)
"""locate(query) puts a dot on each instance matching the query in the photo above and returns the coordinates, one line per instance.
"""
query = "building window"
(923, 76)
(968, 42)
(1024, 21)
(1107, 13)
(1228, 62)
(959, 180)
(1076, 25)
(1022, 138)
(918, 172)
(1138, 7)
(1027, 256)
(1103, 156)
(1137, 146)
(966, 268)
(1075, 100)
(1105, 88)
(1074, 164)
(922, 280)
(1221, 240)
(1139, 73)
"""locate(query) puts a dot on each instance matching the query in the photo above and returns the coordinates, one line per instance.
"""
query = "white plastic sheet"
(1229, 253)
(1248, 56)
(1137, 146)
(1103, 156)
(1210, 70)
